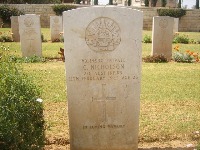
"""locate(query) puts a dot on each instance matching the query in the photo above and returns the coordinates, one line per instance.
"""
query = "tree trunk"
(153, 3)
(95, 2)
(129, 2)
(197, 4)
(179, 4)
(110, 2)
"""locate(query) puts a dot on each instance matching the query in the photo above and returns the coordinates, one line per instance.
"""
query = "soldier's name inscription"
(103, 69)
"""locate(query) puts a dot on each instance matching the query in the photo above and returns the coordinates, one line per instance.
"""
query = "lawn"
(170, 97)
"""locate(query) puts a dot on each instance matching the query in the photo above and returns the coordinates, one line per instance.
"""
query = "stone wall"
(189, 22)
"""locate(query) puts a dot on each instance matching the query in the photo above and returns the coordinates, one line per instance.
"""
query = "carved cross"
(103, 99)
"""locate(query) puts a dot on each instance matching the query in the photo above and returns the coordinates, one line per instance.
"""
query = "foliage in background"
(129, 2)
(146, 3)
(21, 109)
(163, 3)
(96, 2)
(185, 57)
(155, 59)
(153, 3)
(6, 12)
(147, 39)
(177, 13)
(6, 37)
(30, 1)
(179, 3)
(58, 9)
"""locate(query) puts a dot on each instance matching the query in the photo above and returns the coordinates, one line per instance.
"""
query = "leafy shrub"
(147, 39)
(177, 13)
(185, 57)
(155, 59)
(58, 9)
(21, 110)
(181, 39)
(6, 12)
(6, 37)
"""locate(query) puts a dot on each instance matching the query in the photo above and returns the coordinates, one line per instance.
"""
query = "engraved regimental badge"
(163, 23)
(28, 21)
(102, 34)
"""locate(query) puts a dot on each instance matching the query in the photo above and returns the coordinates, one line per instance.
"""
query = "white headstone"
(30, 35)
(56, 28)
(103, 68)
(176, 24)
(15, 28)
(162, 34)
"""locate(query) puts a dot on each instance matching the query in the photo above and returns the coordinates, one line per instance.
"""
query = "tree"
(95, 2)
(153, 3)
(129, 2)
(197, 4)
(146, 2)
(179, 3)
(163, 3)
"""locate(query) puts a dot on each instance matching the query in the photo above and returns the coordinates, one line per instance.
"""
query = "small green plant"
(147, 39)
(177, 13)
(6, 37)
(181, 39)
(58, 9)
(155, 59)
(21, 109)
(32, 59)
(6, 12)
(185, 57)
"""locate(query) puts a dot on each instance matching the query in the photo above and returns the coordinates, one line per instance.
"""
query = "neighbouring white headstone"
(103, 69)
(30, 35)
(15, 28)
(162, 34)
(176, 24)
(56, 28)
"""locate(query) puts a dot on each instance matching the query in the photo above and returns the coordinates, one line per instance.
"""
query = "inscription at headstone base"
(56, 27)
(162, 36)
(30, 35)
(103, 71)
(15, 28)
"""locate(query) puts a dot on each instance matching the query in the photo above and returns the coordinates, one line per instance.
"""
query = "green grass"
(170, 97)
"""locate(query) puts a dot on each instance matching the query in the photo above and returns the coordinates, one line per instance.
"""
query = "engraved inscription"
(163, 23)
(102, 34)
(103, 69)
(114, 126)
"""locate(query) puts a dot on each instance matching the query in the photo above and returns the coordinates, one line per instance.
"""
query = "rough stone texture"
(162, 36)
(176, 24)
(30, 35)
(15, 28)
(56, 27)
(189, 22)
(103, 69)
